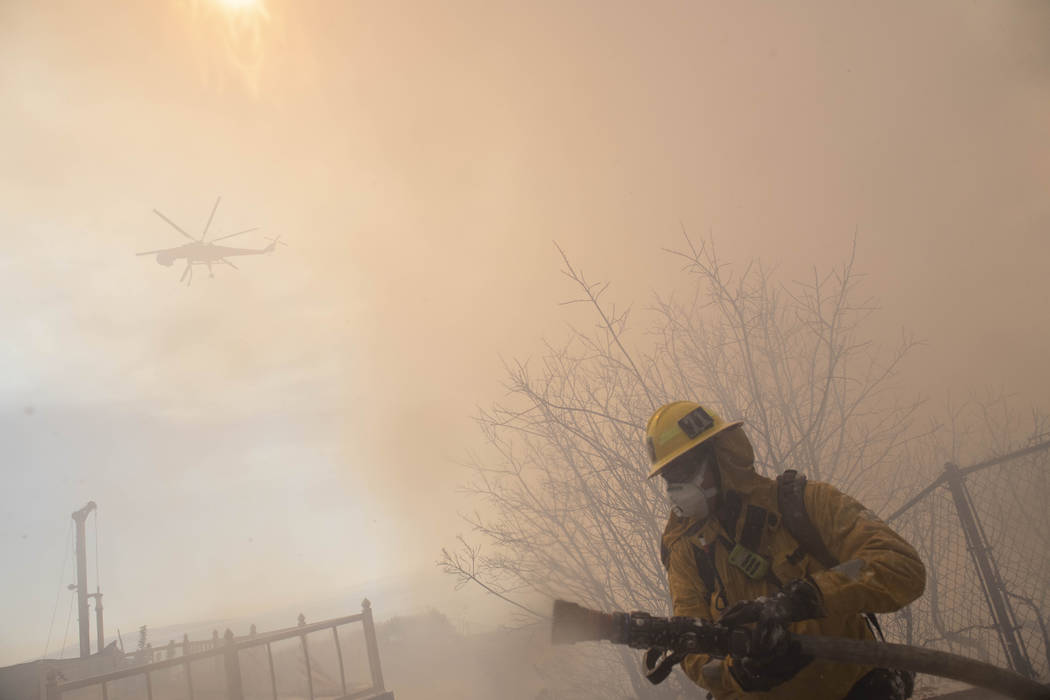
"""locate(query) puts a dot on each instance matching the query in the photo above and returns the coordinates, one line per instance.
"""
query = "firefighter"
(773, 555)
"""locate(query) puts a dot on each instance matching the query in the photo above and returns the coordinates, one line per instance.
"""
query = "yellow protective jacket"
(888, 575)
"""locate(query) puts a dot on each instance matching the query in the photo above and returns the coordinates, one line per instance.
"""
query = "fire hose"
(573, 623)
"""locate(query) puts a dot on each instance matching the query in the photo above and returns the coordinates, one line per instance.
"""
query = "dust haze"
(293, 434)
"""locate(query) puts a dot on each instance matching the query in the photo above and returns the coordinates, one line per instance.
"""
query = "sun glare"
(230, 39)
(239, 4)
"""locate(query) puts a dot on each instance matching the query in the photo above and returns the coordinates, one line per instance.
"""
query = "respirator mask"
(684, 483)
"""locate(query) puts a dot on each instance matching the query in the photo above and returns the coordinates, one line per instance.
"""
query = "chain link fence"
(984, 533)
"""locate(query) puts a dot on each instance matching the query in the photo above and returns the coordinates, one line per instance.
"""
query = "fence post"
(233, 668)
(372, 645)
(52, 686)
(185, 644)
(214, 659)
(992, 584)
(306, 658)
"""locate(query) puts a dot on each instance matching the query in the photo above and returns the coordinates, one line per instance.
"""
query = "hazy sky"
(281, 432)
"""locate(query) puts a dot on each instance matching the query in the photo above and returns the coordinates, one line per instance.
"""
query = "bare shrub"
(563, 504)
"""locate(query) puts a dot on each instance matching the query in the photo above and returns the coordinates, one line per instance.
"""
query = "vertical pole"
(149, 687)
(100, 635)
(105, 691)
(273, 678)
(373, 646)
(999, 606)
(189, 680)
(909, 625)
(185, 644)
(82, 603)
(306, 655)
(232, 662)
(339, 654)
(52, 686)
(215, 659)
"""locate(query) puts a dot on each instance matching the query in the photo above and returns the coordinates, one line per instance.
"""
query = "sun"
(230, 39)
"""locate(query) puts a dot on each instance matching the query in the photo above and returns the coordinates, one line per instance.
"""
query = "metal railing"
(229, 650)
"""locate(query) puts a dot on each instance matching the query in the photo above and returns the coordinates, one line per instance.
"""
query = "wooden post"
(273, 678)
(52, 686)
(185, 644)
(232, 662)
(306, 656)
(170, 652)
(189, 679)
(215, 659)
(372, 645)
(339, 654)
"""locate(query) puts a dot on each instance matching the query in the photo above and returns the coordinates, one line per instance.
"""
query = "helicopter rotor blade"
(277, 240)
(231, 235)
(151, 252)
(210, 217)
(175, 226)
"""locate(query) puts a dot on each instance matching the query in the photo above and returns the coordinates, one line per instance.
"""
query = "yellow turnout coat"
(880, 572)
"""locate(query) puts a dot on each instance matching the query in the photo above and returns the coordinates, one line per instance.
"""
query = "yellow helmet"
(677, 428)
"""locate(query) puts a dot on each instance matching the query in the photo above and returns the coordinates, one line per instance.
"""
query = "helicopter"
(205, 252)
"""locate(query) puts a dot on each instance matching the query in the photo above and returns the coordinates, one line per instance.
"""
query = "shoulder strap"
(791, 487)
(729, 512)
(705, 568)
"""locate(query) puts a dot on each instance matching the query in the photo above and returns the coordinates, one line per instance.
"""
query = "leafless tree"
(562, 502)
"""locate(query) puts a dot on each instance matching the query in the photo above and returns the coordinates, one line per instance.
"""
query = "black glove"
(772, 656)
(764, 673)
(658, 664)
(800, 600)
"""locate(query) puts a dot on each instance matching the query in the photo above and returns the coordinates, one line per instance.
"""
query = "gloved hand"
(800, 600)
(773, 657)
(657, 663)
(754, 673)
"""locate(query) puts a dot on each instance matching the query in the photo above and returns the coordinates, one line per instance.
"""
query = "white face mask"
(691, 500)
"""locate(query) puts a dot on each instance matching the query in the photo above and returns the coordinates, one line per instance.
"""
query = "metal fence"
(984, 533)
(222, 667)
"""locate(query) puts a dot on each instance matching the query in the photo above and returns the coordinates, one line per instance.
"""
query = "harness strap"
(791, 488)
(729, 513)
(705, 568)
(754, 523)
